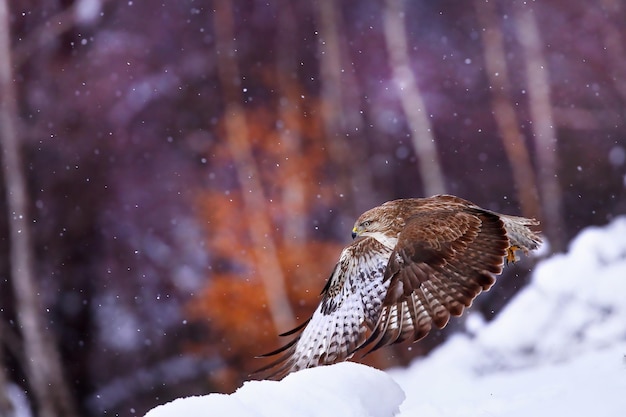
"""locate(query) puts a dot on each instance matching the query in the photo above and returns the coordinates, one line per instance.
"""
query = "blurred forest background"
(179, 176)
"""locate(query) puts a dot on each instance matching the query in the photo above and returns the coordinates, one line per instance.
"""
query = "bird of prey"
(413, 263)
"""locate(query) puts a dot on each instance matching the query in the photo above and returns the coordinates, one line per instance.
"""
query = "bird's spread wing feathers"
(350, 305)
(442, 261)
(399, 280)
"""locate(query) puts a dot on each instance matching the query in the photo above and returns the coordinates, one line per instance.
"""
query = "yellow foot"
(510, 254)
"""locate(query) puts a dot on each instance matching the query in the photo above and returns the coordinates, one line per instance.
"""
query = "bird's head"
(383, 219)
(364, 226)
(369, 223)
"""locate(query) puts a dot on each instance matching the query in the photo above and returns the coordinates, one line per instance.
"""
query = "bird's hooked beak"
(355, 232)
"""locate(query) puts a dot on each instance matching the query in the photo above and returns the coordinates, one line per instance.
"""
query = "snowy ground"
(559, 348)
(346, 389)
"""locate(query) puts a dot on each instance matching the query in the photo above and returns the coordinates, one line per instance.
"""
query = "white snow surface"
(346, 389)
(558, 348)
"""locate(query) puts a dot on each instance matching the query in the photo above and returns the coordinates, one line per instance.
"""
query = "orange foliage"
(235, 309)
(287, 145)
(297, 176)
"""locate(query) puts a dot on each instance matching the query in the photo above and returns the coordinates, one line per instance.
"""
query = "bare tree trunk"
(330, 65)
(503, 111)
(290, 131)
(341, 104)
(43, 364)
(331, 94)
(255, 207)
(411, 98)
(539, 102)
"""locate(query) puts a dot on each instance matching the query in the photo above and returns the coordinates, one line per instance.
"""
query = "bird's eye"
(366, 223)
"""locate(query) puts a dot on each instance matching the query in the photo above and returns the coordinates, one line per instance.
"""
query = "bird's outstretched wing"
(350, 305)
(416, 263)
(443, 259)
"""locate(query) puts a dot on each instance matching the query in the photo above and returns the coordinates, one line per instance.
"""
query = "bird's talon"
(510, 254)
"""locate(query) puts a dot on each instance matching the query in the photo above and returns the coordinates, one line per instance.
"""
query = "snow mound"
(576, 302)
(558, 348)
(346, 389)
(592, 384)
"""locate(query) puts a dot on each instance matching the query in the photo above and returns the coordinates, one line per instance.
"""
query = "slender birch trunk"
(525, 184)
(543, 124)
(290, 133)
(255, 206)
(411, 98)
(328, 17)
(43, 364)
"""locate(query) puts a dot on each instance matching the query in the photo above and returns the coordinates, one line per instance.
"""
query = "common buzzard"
(413, 263)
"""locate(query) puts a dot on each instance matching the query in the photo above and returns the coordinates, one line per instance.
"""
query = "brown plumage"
(412, 265)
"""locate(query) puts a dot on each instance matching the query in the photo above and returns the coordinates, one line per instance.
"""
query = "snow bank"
(346, 389)
(592, 384)
(576, 302)
(559, 348)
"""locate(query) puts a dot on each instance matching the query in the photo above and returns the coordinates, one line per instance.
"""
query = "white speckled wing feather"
(349, 309)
